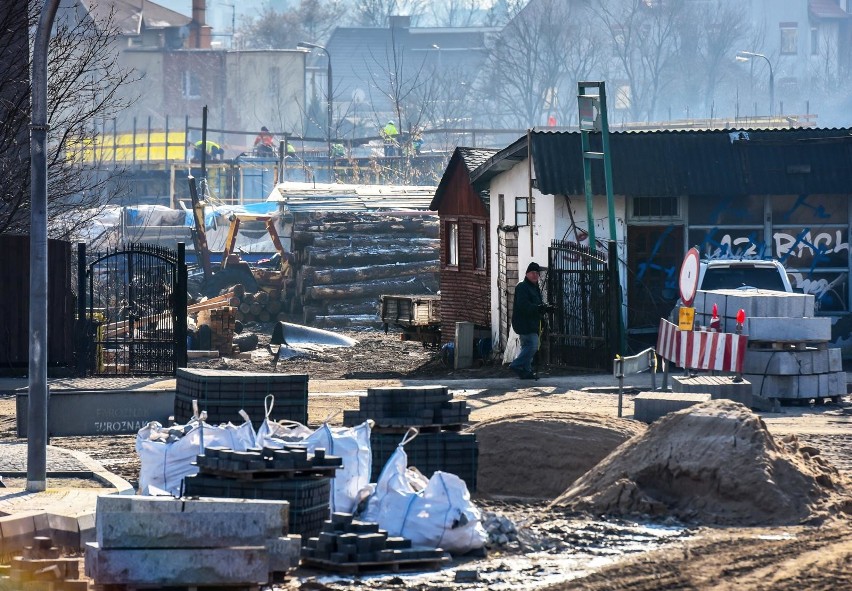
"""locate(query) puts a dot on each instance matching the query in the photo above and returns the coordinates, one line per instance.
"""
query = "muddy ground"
(553, 548)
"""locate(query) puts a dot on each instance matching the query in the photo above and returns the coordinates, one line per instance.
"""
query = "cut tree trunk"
(312, 276)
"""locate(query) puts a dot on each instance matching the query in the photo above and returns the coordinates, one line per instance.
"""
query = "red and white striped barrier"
(690, 349)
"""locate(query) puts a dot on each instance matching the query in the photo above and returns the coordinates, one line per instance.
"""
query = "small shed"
(465, 266)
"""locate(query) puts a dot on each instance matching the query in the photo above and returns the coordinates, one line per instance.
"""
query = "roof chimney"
(200, 35)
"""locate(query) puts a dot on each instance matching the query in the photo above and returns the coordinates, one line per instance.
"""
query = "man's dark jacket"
(526, 317)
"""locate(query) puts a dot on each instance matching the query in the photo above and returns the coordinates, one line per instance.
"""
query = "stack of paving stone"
(163, 541)
(348, 545)
(222, 394)
(788, 355)
(42, 567)
(440, 444)
(278, 474)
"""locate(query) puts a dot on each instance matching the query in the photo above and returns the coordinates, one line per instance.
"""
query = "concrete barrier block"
(650, 406)
(717, 386)
(788, 329)
(781, 363)
(178, 567)
(184, 530)
(276, 513)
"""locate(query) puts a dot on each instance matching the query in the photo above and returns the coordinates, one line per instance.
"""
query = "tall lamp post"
(307, 45)
(744, 56)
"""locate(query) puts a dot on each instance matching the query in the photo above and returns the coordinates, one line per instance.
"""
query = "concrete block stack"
(224, 393)
(42, 567)
(275, 474)
(440, 444)
(162, 541)
(349, 545)
(788, 356)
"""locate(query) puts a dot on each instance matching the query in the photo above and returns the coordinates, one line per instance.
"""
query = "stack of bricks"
(222, 322)
(162, 541)
(41, 567)
(222, 394)
(348, 544)
(788, 357)
(440, 444)
(275, 474)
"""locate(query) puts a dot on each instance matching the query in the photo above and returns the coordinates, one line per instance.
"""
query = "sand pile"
(713, 463)
(540, 454)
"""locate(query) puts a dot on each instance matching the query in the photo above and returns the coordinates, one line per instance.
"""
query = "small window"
(814, 41)
(452, 244)
(480, 242)
(191, 89)
(789, 38)
(521, 211)
(501, 209)
(655, 207)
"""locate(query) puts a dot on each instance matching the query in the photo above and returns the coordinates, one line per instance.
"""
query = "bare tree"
(455, 13)
(377, 13)
(84, 82)
(527, 63)
(310, 20)
(644, 39)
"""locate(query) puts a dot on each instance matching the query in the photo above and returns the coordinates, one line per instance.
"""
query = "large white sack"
(351, 444)
(441, 515)
(164, 465)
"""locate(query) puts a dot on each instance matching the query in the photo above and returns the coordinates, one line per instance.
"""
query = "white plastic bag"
(441, 515)
(165, 464)
(351, 444)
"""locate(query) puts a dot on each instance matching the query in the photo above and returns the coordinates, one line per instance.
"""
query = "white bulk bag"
(165, 464)
(441, 515)
(351, 444)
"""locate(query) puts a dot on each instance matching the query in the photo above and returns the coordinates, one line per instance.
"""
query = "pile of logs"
(343, 265)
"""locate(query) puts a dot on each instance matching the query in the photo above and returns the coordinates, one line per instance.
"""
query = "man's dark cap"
(533, 267)
(263, 128)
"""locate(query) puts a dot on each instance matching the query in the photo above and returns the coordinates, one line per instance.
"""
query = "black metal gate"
(583, 287)
(131, 311)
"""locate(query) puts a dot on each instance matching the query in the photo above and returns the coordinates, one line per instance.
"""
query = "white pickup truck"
(743, 274)
(739, 274)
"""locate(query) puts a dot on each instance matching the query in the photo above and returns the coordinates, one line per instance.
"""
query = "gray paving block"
(248, 565)
(88, 531)
(835, 359)
(788, 329)
(64, 530)
(717, 386)
(17, 531)
(184, 530)
(284, 553)
(785, 363)
(276, 512)
(797, 387)
(650, 406)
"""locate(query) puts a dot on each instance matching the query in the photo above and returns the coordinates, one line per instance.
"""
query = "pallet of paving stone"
(447, 451)
(266, 463)
(392, 566)
(222, 394)
(408, 407)
(41, 566)
(308, 497)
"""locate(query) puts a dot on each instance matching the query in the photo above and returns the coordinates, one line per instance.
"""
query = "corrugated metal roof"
(470, 158)
(310, 197)
(705, 162)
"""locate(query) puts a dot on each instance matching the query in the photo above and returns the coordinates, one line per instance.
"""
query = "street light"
(306, 45)
(744, 56)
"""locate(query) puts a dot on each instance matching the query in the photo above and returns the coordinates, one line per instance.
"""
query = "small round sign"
(688, 281)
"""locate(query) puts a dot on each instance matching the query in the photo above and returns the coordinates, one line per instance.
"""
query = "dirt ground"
(535, 439)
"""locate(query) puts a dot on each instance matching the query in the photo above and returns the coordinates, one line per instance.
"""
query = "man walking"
(526, 320)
